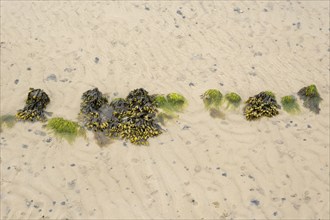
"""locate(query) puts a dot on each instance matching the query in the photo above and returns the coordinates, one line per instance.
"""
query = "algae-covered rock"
(233, 100)
(290, 104)
(7, 120)
(311, 98)
(172, 102)
(262, 104)
(212, 99)
(66, 129)
(35, 105)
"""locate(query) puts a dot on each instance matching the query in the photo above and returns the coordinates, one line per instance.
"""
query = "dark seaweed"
(262, 104)
(133, 118)
(35, 105)
(311, 98)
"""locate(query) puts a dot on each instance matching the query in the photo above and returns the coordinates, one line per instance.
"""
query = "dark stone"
(96, 60)
(25, 146)
(255, 202)
(186, 127)
(16, 81)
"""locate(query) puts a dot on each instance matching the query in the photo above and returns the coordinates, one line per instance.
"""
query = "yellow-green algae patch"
(7, 120)
(66, 129)
(173, 102)
(290, 104)
(212, 99)
(233, 100)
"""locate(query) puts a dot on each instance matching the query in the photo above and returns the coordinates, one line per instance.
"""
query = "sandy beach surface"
(201, 167)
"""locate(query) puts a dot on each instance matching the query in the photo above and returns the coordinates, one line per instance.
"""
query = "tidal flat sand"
(201, 167)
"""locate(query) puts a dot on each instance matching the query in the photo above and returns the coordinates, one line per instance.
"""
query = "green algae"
(7, 120)
(233, 100)
(290, 104)
(212, 99)
(171, 103)
(66, 129)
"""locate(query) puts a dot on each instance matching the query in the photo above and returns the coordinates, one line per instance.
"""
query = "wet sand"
(201, 167)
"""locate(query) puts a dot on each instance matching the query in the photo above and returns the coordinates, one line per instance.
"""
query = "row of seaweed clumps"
(263, 104)
(136, 118)
(132, 118)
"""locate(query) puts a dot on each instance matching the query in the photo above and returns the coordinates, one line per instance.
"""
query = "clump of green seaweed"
(290, 104)
(7, 120)
(172, 102)
(311, 98)
(212, 99)
(133, 118)
(66, 129)
(35, 105)
(233, 100)
(262, 104)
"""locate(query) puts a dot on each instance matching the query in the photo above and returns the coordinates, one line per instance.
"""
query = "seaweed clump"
(133, 118)
(35, 105)
(212, 99)
(169, 105)
(290, 104)
(172, 102)
(233, 100)
(66, 129)
(262, 104)
(311, 98)
(8, 120)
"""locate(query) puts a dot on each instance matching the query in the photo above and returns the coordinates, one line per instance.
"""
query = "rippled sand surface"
(200, 167)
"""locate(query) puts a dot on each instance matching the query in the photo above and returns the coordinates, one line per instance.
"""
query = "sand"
(201, 167)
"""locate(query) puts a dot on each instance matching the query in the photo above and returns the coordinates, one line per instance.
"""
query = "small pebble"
(308, 126)
(186, 127)
(96, 60)
(255, 202)
(48, 140)
(16, 81)
(51, 77)
(29, 68)
(25, 146)
(191, 84)
(63, 203)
